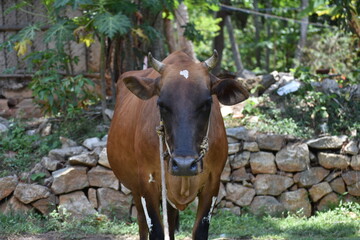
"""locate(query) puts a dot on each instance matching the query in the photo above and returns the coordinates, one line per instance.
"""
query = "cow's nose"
(185, 166)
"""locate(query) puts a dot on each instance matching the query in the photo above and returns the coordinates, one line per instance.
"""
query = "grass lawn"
(342, 222)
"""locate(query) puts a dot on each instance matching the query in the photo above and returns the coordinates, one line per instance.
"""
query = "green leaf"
(62, 31)
(110, 25)
(61, 3)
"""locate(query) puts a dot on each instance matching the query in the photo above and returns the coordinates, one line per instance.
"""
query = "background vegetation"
(261, 36)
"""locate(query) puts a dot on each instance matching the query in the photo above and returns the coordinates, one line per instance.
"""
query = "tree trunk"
(219, 41)
(102, 76)
(234, 47)
(157, 45)
(169, 35)
(268, 33)
(257, 35)
(182, 18)
(303, 34)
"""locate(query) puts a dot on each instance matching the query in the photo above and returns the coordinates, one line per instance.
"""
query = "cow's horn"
(157, 65)
(212, 61)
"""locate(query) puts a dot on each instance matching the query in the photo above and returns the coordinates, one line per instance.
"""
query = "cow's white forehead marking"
(184, 73)
(148, 219)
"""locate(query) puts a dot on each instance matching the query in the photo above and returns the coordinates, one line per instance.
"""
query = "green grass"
(343, 222)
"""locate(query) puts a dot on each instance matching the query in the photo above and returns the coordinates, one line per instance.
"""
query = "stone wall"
(264, 173)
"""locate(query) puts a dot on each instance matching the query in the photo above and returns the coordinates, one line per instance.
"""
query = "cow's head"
(184, 91)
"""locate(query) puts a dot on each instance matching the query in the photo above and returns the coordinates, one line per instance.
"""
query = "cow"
(185, 96)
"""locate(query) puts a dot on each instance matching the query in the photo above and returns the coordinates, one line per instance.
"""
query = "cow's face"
(184, 93)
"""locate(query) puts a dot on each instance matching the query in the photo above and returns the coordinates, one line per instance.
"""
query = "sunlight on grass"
(343, 222)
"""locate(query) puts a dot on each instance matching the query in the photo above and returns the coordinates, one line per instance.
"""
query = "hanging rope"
(204, 147)
(161, 132)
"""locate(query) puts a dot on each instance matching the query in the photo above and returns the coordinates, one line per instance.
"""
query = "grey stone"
(51, 164)
(266, 205)
(125, 190)
(311, 176)
(328, 142)
(85, 159)
(92, 197)
(319, 190)
(333, 161)
(293, 158)
(67, 142)
(39, 168)
(28, 193)
(355, 162)
(351, 177)
(91, 143)
(239, 160)
(46, 205)
(3, 128)
(330, 200)
(109, 113)
(103, 159)
(297, 202)
(233, 148)
(69, 179)
(266, 184)
(262, 162)
(332, 176)
(338, 185)
(240, 175)
(103, 177)
(354, 189)
(221, 193)
(14, 205)
(76, 204)
(251, 146)
(104, 138)
(62, 154)
(350, 148)
(225, 175)
(239, 194)
(113, 203)
(270, 142)
(241, 133)
(232, 140)
(7, 186)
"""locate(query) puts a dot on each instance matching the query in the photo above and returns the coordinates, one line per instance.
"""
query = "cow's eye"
(163, 108)
(205, 106)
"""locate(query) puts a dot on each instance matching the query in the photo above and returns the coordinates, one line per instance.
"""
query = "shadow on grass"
(329, 225)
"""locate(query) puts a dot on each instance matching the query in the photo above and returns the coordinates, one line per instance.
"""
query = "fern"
(110, 25)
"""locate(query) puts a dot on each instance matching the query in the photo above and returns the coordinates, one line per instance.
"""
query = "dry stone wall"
(264, 173)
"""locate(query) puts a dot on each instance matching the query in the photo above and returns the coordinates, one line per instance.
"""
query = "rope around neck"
(204, 147)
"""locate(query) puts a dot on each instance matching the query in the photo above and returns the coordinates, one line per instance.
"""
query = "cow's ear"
(228, 91)
(144, 88)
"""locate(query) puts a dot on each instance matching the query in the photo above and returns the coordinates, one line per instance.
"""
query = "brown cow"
(185, 96)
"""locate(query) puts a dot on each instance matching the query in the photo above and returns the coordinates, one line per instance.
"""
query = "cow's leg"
(148, 207)
(207, 200)
(173, 219)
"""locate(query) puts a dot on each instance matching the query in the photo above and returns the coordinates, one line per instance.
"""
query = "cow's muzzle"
(185, 166)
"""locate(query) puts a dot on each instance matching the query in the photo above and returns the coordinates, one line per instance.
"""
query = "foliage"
(342, 222)
(19, 151)
(335, 51)
(55, 93)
